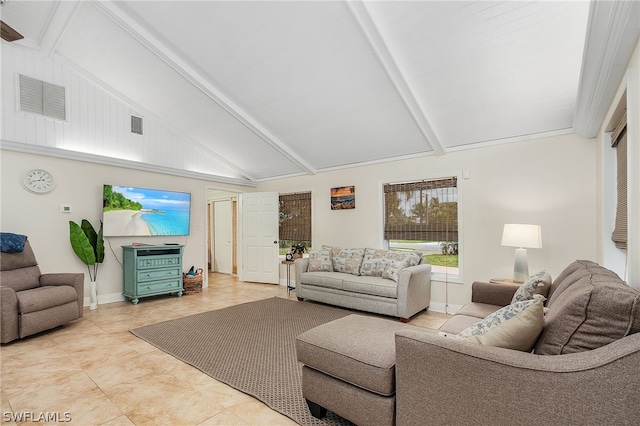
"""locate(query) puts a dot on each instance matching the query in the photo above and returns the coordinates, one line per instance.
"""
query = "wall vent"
(42, 98)
(136, 125)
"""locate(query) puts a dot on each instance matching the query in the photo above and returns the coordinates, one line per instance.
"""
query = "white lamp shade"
(524, 236)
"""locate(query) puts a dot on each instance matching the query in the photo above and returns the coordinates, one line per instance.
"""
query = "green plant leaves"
(95, 239)
(81, 244)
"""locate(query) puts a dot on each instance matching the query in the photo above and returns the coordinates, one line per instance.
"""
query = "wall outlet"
(65, 208)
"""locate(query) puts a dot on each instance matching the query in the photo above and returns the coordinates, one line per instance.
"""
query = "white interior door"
(260, 237)
(222, 225)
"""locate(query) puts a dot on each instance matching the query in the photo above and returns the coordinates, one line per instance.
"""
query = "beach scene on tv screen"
(144, 212)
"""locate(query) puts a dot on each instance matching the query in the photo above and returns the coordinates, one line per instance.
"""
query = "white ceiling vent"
(136, 125)
(42, 98)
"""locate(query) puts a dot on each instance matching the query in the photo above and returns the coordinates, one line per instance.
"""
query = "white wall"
(98, 120)
(551, 182)
(625, 263)
(79, 184)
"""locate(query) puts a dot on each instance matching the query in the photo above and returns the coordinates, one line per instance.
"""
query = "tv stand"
(151, 271)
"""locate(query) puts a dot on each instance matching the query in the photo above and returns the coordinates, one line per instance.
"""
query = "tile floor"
(100, 374)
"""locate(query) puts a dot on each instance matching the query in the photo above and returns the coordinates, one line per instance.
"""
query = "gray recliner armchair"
(32, 302)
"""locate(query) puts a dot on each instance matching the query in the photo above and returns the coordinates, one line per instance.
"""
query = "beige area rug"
(250, 347)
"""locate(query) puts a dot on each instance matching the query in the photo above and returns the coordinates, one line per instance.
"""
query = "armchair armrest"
(493, 293)
(301, 265)
(466, 384)
(414, 289)
(8, 314)
(75, 280)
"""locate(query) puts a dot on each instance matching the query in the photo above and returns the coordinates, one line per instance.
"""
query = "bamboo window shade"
(619, 142)
(295, 216)
(424, 210)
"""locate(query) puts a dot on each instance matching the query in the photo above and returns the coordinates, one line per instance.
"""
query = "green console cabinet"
(152, 270)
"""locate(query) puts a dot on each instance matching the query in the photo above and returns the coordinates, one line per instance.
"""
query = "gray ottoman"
(349, 368)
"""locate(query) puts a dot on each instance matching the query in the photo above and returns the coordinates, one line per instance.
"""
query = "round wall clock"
(38, 181)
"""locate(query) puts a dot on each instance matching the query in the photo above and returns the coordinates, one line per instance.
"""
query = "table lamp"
(522, 237)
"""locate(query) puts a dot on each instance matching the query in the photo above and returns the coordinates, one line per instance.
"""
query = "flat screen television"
(142, 212)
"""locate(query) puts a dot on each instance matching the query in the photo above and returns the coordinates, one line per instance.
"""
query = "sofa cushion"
(478, 310)
(320, 261)
(458, 323)
(21, 279)
(348, 260)
(516, 326)
(589, 307)
(324, 279)
(23, 259)
(356, 349)
(41, 298)
(537, 283)
(561, 281)
(20, 271)
(371, 285)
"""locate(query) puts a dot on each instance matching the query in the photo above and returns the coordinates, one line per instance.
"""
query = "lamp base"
(521, 266)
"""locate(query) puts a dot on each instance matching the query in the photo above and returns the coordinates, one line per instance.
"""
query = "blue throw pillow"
(12, 243)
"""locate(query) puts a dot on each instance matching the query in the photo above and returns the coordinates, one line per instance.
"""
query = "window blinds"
(422, 211)
(295, 216)
(619, 141)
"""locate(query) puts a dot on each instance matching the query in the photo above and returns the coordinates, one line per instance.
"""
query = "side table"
(288, 264)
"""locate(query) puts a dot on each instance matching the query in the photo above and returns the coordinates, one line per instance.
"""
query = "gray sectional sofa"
(384, 282)
(583, 367)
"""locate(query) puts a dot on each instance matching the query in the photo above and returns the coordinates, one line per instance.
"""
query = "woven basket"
(192, 283)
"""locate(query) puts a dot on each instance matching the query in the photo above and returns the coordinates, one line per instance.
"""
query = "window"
(619, 142)
(42, 98)
(295, 220)
(423, 215)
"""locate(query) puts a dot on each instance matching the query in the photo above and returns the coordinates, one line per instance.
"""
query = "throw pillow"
(320, 261)
(397, 261)
(537, 283)
(348, 261)
(373, 263)
(415, 257)
(516, 326)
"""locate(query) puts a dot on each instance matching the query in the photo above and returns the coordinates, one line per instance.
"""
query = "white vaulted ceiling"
(279, 88)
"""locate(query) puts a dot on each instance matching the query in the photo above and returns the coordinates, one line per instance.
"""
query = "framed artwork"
(343, 198)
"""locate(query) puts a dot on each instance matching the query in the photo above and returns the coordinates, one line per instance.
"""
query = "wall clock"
(38, 181)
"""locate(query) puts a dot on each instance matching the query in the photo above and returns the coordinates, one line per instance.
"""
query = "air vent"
(136, 125)
(42, 98)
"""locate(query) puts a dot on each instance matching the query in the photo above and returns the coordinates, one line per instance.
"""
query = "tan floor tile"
(92, 407)
(160, 399)
(119, 421)
(39, 393)
(224, 419)
(98, 371)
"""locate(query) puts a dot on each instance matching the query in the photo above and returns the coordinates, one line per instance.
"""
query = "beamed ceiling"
(283, 88)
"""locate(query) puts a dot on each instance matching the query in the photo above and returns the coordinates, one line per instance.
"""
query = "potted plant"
(89, 247)
(297, 250)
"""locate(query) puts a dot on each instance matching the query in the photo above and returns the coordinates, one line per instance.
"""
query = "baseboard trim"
(103, 299)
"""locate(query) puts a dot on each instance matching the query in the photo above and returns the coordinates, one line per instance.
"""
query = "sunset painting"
(343, 198)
